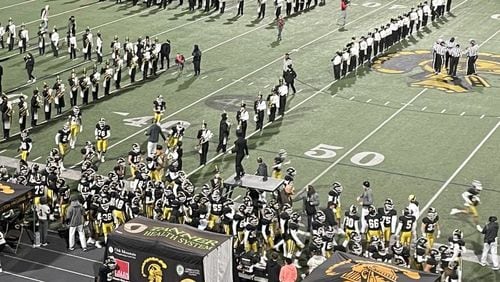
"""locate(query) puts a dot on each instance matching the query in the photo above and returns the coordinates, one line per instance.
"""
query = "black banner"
(12, 195)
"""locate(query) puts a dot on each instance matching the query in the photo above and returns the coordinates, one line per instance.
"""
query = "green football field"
(395, 124)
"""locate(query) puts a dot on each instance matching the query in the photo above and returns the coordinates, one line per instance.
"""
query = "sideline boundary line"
(50, 266)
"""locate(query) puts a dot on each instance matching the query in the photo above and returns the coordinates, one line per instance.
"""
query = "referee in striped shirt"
(455, 54)
(472, 52)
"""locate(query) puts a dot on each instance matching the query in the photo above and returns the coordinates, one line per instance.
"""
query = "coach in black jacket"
(165, 53)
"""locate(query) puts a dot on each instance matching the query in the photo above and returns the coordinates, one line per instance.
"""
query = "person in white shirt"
(426, 9)
(260, 108)
(337, 63)
(2, 33)
(88, 41)
(362, 50)
(413, 206)
(346, 58)
(262, 9)
(43, 213)
(54, 42)
(413, 19)
(45, 17)
(279, 5)
(274, 105)
(282, 92)
(72, 47)
(316, 260)
(420, 14)
(376, 42)
(369, 48)
(242, 117)
(288, 7)
(98, 47)
(23, 39)
(472, 52)
(287, 61)
(11, 30)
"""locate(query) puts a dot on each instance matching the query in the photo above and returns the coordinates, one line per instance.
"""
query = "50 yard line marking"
(366, 138)
(245, 76)
(462, 165)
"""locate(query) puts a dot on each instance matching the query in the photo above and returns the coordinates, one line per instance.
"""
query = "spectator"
(74, 216)
(43, 213)
(288, 272)
(316, 260)
(490, 231)
(311, 202)
(273, 268)
(281, 25)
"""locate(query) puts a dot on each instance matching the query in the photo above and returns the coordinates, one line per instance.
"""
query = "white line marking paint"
(369, 100)
(366, 138)
(189, 75)
(174, 73)
(352, 98)
(334, 95)
(300, 90)
(462, 165)
(463, 113)
(22, 276)
(50, 266)
(36, 159)
(62, 253)
(3, 151)
(219, 79)
(443, 111)
(251, 83)
(386, 103)
(266, 86)
(424, 108)
(18, 4)
(204, 77)
(481, 117)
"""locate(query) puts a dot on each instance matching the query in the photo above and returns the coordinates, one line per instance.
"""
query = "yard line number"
(325, 151)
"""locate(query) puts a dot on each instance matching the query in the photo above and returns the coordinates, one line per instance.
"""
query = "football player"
(62, 142)
(26, 146)
(471, 199)
(430, 227)
(159, 107)
(215, 211)
(401, 254)
(353, 244)
(432, 261)
(102, 133)
(406, 227)
(389, 220)
(374, 223)
(419, 254)
(105, 218)
(250, 234)
(134, 158)
(279, 162)
(351, 221)
(413, 206)
(88, 152)
(334, 197)
(75, 123)
(175, 135)
(267, 231)
(293, 243)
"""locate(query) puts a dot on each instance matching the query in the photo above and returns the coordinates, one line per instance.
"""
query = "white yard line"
(463, 113)
(50, 266)
(266, 86)
(36, 159)
(462, 165)
(368, 101)
(63, 253)
(20, 276)
(424, 108)
(481, 117)
(246, 75)
(3, 151)
(251, 83)
(443, 111)
(386, 103)
(366, 137)
(18, 4)
(352, 98)
(63, 13)
(219, 79)
(204, 77)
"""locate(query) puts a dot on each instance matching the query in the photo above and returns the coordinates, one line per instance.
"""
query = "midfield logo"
(418, 64)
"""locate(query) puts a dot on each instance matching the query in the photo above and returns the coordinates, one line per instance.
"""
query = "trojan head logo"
(419, 63)
(369, 271)
(152, 269)
(6, 189)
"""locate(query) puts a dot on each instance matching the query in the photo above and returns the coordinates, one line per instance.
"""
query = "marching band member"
(73, 86)
(159, 107)
(204, 136)
(75, 122)
(274, 105)
(224, 129)
(108, 75)
(35, 105)
(132, 71)
(260, 111)
(117, 76)
(47, 100)
(59, 89)
(23, 39)
(98, 47)
(242, 117)
(26, 146)
(94, 80)
(23, 112)
(84, 83)
(472, 51)
(102, 133)
(88, 39)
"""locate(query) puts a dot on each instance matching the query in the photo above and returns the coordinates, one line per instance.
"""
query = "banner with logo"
(12, 195)
(150, 251)
(343, 267)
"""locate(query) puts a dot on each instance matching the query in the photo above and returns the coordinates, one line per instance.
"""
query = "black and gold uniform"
(351, 221)
(374, 224)
(176, 134)
(250, 237)
(430, 227)
(389, 220)
(216, 209)
(134, 158)
(102, 133)
(62, 140)
(75, 125)
(64, 198)
(406, 227)
(26, 146)
(119, 207)
(159, 107)
(105, 218)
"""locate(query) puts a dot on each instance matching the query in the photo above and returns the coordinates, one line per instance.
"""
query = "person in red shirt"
(343, 13)
(281, 25)
(288, 272)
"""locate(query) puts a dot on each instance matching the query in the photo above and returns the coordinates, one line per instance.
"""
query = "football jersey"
(350, 221)
(430, 225)
(252, 233)
(216, 207)
(26, 144)
(387, 216)
(75, 119)
(63, 136)
(135, 157)
(106, 215)
(374, 222)
(159, 107)
(407, 223)
(102, 132)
